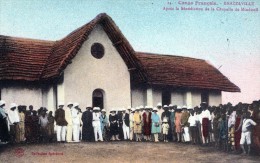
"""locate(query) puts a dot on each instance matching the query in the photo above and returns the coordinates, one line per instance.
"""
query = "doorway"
(98, 98)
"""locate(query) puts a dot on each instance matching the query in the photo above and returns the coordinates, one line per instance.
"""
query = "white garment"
(205, 114)
(186, 134)
(13, 117)
(232, 119)
(96, 125)
(131, 135)
(246, 124)
(81, 124)
(76, 124)
(61, 133)
(245, 137)
(75, 117)
(68, 118)
(192, 120)
(126, 131)
(76, 130)
(165, 128)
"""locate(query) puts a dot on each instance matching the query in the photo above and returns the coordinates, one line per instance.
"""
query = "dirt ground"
(117, 152)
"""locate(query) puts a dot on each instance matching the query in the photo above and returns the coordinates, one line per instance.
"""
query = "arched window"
(98, 98)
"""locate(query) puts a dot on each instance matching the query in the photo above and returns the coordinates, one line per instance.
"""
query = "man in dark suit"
(61, 123)
(87, 128)
(125, 119)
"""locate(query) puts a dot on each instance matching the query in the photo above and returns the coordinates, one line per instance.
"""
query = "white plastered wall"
(178, 98)
(22, 96)
(215, 98)
(86, 73)
(138, 97)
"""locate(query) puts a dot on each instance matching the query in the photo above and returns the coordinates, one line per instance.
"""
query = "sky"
(230, 40)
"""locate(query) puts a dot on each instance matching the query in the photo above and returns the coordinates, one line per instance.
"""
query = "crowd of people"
(226, 127)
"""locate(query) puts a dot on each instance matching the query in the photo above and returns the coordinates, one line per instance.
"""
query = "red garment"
(147, 123)
(205, 127)
(238, 133)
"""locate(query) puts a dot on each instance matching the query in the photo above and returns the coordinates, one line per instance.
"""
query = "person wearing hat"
(81, 123)
(113, 120)
(61, 123)
(103, 121)
(96, 124)
(4, 134)
(131, 123)
(125, 120)
(120, 124)
(137, 124)
(147, 123)
(75, 122)
(178, 114)
(156, 127)
(87, 128)
(185, 125)
(165, 129)
(13, 116)
(68, 118)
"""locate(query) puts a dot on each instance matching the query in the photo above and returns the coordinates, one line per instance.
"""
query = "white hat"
(129, 107)
(184, 106)
(69, 103)
(13, 105)
(96, 108)
(123, 109)
(137, 108)
(155, 109)
(61, 104)
(2, 102)
(191, 108)
(159, 104)
(165, 120)
(141, 107)
(148, 107)
(132, 109)
(178, 107)
(89, 106)
(76, 104)
(103, 110)
(171, 105)
(165, 106)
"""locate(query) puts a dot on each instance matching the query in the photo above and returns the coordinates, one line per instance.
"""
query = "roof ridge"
(27, 39)
(168, 55)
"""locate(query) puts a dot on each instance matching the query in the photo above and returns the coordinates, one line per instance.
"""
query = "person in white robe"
(13, 117)
(75, 122)
(68, 118)
(96, 124)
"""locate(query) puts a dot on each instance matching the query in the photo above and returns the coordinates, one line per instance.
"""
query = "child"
(165, 128)
(246, 132)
